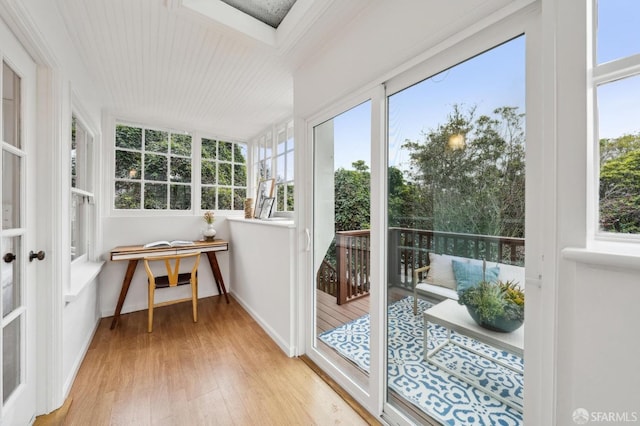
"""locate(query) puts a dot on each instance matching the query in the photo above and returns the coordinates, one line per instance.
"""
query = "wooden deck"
(331, 315)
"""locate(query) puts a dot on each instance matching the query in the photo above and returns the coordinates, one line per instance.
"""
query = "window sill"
(602, 258)
(82, 275)
(278, 221)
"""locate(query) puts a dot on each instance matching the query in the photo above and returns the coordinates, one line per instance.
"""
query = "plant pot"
(209, 233)
(500, 324)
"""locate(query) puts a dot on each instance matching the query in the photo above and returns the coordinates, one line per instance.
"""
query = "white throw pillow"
(441, 271)
(507, 272)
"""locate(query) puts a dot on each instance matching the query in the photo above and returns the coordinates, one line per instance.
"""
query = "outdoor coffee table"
(454, 317)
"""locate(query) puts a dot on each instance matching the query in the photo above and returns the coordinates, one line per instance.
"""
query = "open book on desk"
(174, 243)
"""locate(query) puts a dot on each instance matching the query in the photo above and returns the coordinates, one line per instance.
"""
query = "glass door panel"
(456, 191)
(341, 235)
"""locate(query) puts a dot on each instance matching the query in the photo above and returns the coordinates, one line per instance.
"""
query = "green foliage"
(620, 184)
(352, 198)
(475, 190)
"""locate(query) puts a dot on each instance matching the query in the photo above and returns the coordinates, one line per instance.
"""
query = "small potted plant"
(210, 232)
(496, 306)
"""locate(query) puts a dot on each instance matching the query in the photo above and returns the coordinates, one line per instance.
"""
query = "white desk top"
(455, 317)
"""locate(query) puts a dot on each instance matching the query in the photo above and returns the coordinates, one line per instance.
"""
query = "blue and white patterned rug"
(436, 392)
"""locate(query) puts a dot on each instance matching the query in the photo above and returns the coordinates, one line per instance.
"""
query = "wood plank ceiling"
(162, 64)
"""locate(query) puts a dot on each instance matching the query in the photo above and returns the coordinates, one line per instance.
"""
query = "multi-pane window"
(152, 169)
(284, 168)
(82, 197)
(616, 82)
(223, 175)
(274, 158)
(264, 150)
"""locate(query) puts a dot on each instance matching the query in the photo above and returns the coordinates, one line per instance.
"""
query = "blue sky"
(493, 79)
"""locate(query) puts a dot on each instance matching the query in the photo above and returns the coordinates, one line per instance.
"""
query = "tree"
(620, 184)
(352, 197)
(478, 189)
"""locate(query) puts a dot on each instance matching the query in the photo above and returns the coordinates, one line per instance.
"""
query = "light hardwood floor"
(223, 370)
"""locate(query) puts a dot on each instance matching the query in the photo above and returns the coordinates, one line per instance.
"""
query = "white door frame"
(49, 138)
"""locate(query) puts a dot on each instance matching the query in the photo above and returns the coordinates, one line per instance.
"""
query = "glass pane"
(239, 195)
(456, 192)
(209, 149)
(11, 364)
(225, 151)
(127, 195)
(156, 141)
(289, 171)
(224, 174)
(341, 212)
(11, 283)
(10, 106)
(180, 170)
(128, 165)
(10, 190)
(240, 153)
(180, 197)
(280, 168)
(619, 132)
(208, 170)
(74, 153)
(618, 33)
(78, 240)
(128, 137)
(181, 144)
(208, 196)
(224, 198)
(155, 196)
(280, 189)
(240, 175)
(290, 200)
(155, 167)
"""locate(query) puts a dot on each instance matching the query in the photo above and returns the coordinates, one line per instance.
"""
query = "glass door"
(456, 216)
(341, 241)
(17, 298)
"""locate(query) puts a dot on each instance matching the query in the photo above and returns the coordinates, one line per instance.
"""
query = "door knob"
(9, 257)
(39, 255)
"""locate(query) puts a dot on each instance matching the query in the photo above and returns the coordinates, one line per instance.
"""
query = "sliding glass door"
(456, 222)
(341, 241)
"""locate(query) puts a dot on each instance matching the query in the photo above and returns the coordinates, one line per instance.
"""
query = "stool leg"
(151, 301)
(194, 299)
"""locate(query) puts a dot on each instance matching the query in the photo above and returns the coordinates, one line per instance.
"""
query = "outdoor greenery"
(156, 166)
(620, 184)
(495, 300)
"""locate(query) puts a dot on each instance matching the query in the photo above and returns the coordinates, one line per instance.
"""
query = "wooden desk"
(134, 253)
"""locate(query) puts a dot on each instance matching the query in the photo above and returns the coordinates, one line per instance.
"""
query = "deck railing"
(408, 249)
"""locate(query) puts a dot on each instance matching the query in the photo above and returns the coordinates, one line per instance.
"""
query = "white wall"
(119, 231)
(261, 261)
(590, 308)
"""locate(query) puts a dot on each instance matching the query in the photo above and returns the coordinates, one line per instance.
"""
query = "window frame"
(600, 74)
(87, 209)
(201, 160)
(113, 179)
(265, 149)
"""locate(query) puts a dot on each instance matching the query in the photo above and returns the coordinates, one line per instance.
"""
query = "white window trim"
(233, 186)
(598, 74)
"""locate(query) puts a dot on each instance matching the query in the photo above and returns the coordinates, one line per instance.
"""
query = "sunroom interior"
(136, 117)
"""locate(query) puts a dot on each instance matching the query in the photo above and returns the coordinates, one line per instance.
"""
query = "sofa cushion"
(507, 272)
(440, 270)
(437, 290)
(470, 274)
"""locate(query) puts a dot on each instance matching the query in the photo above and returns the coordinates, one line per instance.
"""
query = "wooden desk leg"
(126, 282)
(215, 268)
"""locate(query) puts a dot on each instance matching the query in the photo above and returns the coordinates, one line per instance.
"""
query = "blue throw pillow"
(469, 274)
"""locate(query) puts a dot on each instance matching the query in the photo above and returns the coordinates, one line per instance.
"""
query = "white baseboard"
(290, 351)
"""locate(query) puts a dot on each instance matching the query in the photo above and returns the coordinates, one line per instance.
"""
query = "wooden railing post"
(341, 266)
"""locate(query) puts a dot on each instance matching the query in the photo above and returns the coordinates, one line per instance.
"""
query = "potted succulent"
(496, 306)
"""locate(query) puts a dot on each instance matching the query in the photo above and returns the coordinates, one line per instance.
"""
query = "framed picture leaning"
(265, 190)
